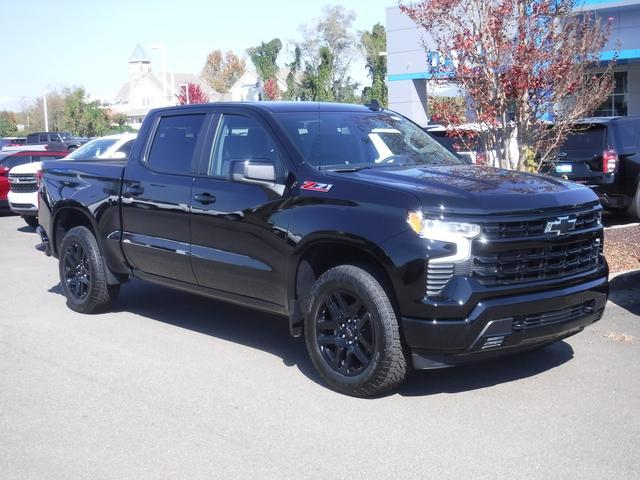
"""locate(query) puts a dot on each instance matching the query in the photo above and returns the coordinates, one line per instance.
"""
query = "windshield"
(353, 140)
(93, 149)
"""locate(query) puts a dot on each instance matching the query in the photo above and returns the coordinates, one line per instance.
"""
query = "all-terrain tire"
(96, 295)
(389, 364)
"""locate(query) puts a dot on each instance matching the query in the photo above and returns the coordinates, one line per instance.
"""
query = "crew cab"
(604, 154)
(23, 178)
(70, 141)
(382, 248)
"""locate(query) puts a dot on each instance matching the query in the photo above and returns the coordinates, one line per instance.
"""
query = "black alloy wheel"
(76, 271)
(352, 332)
(345, 333)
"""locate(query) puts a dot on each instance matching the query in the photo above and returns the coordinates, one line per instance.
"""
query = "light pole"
(163, 61)
(46, 119)
(186, 89)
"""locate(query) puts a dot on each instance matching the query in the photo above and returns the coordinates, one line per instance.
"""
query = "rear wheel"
(352, 333)
(31, 220)
(83, 273)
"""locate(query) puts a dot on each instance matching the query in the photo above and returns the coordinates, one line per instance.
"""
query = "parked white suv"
(23, 181)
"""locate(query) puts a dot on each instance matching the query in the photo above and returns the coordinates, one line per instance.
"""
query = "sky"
(87, 43)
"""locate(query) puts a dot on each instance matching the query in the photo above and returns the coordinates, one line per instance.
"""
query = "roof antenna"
(373, 105)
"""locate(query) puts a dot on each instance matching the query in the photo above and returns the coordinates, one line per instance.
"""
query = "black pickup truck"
(385, 250)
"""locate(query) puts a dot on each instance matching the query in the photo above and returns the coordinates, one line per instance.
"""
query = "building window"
(616, 104)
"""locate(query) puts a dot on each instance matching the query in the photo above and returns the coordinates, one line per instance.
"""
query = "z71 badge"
(315, 186)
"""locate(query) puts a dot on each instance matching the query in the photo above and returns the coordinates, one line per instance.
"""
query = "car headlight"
(459, 233)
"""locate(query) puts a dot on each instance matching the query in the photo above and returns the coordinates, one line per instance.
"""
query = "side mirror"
(256, 172)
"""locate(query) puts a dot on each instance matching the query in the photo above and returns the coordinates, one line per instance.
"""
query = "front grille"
(531, 264)
(24, 187)
(23, 183)
(532, 228)
(438, 275)
(574, 312)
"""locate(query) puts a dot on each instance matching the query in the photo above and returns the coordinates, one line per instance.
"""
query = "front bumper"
(23, 203)
(505, 325)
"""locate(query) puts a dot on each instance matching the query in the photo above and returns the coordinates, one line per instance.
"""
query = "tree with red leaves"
(518, 63)
(196, 94)
(271, 90)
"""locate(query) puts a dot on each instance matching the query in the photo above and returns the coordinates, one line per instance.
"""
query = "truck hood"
(32, 167)
(479, 189)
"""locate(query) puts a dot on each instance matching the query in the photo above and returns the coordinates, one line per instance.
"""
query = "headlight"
(434, 229)
(454, 232)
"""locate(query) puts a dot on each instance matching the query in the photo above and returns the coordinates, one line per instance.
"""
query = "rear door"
(238, 238)
(156, 196)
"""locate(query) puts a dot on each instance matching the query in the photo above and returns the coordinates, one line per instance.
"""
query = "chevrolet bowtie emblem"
(561, 226)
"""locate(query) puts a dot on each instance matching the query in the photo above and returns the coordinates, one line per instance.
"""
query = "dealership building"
(408, 63)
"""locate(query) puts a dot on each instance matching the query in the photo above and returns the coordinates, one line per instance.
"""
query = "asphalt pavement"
(175, 386)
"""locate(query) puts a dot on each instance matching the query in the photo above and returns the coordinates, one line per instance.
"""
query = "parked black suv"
(45, 138)
(604, 153)
(385, 250)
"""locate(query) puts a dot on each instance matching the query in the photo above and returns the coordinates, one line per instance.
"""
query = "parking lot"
(171, 385)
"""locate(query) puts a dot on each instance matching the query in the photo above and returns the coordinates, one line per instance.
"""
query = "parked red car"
(10, 159)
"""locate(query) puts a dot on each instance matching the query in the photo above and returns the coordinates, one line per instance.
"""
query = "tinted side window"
(32, 138)
(174, 145)
(628, 136)
(242, 138)
(43, 138)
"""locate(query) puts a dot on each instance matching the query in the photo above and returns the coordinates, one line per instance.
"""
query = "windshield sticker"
(316, 187)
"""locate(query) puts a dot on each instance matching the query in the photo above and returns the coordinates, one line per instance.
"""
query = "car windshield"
(355, 140)
(93, 149)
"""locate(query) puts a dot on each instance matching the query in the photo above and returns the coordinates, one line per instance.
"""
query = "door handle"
(134, 190)
(204, 198)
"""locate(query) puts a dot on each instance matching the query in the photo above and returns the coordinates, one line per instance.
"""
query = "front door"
(238, 233)
(156, 197)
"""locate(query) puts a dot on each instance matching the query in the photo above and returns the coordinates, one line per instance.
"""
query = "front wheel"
(83, 274)
(352, 333)
(31, 220)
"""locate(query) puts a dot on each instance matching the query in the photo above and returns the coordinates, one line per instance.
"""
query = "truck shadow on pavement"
(270, 333)
(625, 291)
(487, 373)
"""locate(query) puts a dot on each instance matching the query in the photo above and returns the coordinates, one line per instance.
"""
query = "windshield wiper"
(348, 169)
(361, 167)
